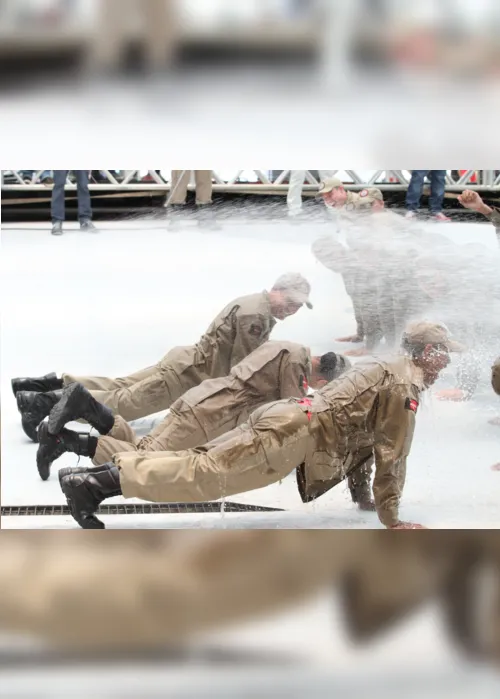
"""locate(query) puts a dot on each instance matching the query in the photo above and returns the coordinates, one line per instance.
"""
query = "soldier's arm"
(394, 427)
(294, 378)
(472, 200)
(251, 332)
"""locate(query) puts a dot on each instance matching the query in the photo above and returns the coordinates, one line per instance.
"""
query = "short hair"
(328, 365)
(412, 349)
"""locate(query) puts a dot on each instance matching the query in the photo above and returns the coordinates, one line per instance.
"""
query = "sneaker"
(88, 226)
(57, 228)
(411, 214)
(440, 217)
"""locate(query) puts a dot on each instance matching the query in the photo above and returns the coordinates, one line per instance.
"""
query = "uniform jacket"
(274, 371)
(369, 411)
(240, 328)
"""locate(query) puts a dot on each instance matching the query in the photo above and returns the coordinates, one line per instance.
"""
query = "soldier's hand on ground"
(495, 467)
(470, 200)
(361, 352)
(407, 525)
(367, 506)
(350, 338)
(454, 394)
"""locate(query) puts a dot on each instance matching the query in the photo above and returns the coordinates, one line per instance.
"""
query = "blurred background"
(422, 72)
(455, 37)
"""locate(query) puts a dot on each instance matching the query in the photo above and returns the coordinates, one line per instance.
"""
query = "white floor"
(115, 302)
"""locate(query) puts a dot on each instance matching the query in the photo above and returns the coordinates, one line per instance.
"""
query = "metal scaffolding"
(246, 181)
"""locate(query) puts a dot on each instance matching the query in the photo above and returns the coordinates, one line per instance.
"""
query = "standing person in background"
(179, 188)
(58, 205)
(294, 196)
(438, 183)
(155, 21)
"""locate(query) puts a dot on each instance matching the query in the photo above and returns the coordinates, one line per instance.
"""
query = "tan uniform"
(495, 376)
(274, 371)
(360, 201)
(240, 327)
(368, 412)
(180, 182)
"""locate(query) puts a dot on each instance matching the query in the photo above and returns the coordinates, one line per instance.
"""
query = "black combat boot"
(78, 404)
(34, 407)
(51, 447)
(50, 382)
(361, 495)
(86, 490)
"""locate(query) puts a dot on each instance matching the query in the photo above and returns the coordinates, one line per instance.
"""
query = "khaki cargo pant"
(176, 431)
(260, 452)
(141, 394)
(264, 450)
(180, 182)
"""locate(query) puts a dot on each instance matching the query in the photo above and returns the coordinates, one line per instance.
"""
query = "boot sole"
(83, 523)
(56, 419)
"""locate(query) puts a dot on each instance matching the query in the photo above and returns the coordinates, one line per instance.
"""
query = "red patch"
(308, 402)
(411, 404)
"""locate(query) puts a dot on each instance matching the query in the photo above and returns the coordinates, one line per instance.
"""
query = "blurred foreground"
(203, 606)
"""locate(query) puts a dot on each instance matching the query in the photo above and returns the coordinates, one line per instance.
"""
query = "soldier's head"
(429, 345)
(289, 293)
(326, 368)
(332, 191)
(495, 376)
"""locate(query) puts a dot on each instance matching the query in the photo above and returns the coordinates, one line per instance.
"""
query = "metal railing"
(246, 181)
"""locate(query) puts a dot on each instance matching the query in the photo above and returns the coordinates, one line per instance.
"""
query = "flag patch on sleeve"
(411, 404)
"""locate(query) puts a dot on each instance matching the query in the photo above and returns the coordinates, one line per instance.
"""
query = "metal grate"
(164, 508)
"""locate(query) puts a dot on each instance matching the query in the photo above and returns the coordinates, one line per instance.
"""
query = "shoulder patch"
(363, 193)
(411, 404)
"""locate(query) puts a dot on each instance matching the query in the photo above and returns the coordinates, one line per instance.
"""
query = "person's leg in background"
(203, 180)
(438, 186)
(294, 196)
(57, 207)
(106, 52)
(179, 187)
(162, 30)
(84, 205)
(414, 192)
